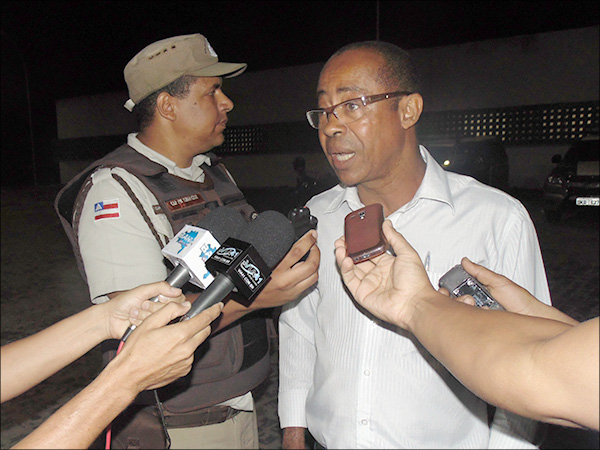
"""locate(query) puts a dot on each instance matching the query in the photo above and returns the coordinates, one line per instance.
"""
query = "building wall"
(544, 68)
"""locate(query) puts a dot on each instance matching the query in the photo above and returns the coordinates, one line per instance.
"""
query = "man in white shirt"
(351, 379)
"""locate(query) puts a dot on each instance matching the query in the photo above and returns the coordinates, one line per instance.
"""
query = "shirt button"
(364, 421)
(367, 372)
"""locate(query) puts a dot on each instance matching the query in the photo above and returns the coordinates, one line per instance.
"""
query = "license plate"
(587, 201)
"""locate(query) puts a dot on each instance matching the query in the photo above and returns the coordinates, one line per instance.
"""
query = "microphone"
(244, 264)
(189, 249)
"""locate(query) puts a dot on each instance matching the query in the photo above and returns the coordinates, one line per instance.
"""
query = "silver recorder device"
(458, 282)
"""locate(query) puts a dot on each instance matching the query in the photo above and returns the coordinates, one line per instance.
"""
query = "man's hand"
(291, 277)
(512, 296)
(387, 286)
(132, 306)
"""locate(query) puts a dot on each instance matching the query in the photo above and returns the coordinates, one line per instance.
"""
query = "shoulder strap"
(140, 208)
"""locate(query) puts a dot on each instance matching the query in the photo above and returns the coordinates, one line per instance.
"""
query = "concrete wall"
(536, 69)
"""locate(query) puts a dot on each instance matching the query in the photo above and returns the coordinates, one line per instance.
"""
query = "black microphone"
(189, 249)
(244, 263)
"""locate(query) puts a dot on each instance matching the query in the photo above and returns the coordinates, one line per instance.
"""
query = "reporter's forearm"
(85, 416)
(539, 309)
(485, 350)
(29, 361)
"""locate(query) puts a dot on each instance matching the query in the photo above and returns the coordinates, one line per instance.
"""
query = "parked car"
(574, 183)
(483, 158)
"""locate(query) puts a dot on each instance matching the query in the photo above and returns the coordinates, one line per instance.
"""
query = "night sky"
(69, 49)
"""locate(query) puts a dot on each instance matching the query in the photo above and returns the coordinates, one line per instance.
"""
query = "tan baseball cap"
(161, 63)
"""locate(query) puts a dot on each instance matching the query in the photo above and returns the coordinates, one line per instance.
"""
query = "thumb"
(397, 241)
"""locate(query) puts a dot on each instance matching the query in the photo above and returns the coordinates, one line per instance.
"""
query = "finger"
(466, 299)
(397, 241)
(150, 290)
(152, 306)
(340, 243)
(198, 327)
(484, 275)
(340, 254)
(165, 299)
(350, 273)
(201, 320)
(311, 263)
(165, 314)
(299, 249)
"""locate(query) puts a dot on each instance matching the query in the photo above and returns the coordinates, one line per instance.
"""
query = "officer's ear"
(410, 109)
(165, 105)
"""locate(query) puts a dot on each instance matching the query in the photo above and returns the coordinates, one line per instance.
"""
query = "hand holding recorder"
(363, 233)
(488, 351)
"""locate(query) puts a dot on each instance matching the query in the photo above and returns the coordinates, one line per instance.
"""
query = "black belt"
(203, 417)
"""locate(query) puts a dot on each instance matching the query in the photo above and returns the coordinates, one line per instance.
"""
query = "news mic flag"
(245, 263)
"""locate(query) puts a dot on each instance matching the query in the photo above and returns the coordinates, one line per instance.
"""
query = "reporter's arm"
(27, 362)
(513, 297)
(536, 367)
(83, 418)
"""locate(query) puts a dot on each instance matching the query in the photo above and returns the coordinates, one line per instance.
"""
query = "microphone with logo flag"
(243, 264)
(191, 247)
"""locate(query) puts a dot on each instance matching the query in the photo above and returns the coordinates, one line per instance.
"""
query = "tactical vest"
(234, 361)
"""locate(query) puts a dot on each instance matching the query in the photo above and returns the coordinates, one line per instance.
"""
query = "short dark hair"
(179, 88)
(398, 73)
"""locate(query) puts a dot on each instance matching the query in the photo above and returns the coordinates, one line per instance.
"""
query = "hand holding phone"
(302, 220)
(363, 233)
(458, 282)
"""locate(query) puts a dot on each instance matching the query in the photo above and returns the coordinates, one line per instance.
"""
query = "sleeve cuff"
(292, 409)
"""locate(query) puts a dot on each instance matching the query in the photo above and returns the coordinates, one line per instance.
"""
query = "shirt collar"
(434, 187)
(193, 173)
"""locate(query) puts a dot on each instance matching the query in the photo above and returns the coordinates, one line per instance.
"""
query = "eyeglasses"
(348, 111)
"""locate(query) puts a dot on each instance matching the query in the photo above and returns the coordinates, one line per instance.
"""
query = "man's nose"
(333, 125)
(225, 102)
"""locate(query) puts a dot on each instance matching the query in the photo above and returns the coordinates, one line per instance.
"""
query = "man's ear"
(165, 106)
(410, 109)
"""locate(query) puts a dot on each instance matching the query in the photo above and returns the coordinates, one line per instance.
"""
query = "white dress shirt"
(357, 382)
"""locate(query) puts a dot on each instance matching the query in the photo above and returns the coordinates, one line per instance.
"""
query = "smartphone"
(458, 282)
(302, 220)
(363, 233)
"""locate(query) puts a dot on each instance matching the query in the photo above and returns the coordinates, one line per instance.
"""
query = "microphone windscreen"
(271, 234)
(223, 222)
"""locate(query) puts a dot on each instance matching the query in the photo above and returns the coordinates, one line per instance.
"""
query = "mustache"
(339, 145)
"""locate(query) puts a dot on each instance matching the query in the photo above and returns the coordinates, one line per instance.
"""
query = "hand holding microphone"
(244, 263)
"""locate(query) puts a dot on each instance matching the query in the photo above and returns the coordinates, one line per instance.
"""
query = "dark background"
(59, 49)
(62, 49)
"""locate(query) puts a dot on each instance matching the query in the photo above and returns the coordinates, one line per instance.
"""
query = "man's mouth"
(342, 156)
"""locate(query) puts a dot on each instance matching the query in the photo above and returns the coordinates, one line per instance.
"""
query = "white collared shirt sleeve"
(296, 330)
(120, 253)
